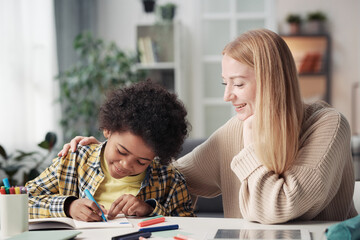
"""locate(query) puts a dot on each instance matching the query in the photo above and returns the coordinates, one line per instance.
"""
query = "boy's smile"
(126, 154)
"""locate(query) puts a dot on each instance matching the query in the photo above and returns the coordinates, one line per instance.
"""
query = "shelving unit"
(159, 46)
(312, 55)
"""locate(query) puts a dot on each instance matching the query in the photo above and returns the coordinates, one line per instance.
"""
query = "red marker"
(12, 190)
(151, 222)
(2, 191)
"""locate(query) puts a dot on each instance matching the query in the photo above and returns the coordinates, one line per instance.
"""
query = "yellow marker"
(17, 190)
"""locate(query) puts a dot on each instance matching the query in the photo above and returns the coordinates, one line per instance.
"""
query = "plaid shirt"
(164, 187)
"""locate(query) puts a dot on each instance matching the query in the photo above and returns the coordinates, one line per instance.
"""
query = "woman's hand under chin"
(74, 142)
(247, 131)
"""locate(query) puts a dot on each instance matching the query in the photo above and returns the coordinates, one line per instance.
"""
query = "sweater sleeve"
(202, 168)
(308, 186)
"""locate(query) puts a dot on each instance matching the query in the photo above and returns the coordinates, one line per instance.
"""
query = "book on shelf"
(147, 48)
(311, 63)
(141, 47)
(68, 223)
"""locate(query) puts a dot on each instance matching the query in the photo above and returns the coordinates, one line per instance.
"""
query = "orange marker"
(182, 237)
(179, 238)
(151, 222)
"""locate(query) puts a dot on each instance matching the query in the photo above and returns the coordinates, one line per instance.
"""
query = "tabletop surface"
(202, 228)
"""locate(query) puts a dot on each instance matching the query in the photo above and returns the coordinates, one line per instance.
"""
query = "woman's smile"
(240, 107)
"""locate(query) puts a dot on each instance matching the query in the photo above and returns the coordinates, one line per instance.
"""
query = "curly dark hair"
(151, 112)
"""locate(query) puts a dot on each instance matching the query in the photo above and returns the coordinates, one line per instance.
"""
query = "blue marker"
(161, 228)
(132, 236)
(88, 194)
(6, 183)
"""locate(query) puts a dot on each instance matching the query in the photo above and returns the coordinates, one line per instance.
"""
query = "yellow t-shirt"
(111, 188)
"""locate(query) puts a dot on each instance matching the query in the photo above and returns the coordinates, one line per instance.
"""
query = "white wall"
(117, 20)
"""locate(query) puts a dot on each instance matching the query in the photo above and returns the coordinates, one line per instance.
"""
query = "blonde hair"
(279, 108)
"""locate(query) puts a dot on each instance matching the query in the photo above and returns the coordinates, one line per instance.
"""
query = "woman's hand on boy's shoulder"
(85, 210)
(129, 205)
(74, 142)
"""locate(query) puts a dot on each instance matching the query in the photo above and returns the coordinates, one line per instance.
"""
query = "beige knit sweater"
(319, 186)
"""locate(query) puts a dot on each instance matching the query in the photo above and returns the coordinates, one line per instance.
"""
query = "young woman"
(278, 159)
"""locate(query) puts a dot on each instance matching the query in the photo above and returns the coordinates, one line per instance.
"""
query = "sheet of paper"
(68, 223)
(119, 221)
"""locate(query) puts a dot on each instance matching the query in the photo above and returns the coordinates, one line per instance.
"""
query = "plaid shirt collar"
(94, 161)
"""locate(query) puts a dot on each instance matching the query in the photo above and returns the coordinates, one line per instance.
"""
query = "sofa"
(355, 150)
(204, 207)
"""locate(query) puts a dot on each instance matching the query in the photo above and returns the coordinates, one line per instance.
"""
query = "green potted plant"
(294, 21)
(32, 162)
(101, 67)
(167, 11)
(316, 22)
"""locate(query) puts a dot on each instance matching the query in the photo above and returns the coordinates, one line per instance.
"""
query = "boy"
(145, 126)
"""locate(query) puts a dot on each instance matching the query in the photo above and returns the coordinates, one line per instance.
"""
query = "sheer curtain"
(28, 91)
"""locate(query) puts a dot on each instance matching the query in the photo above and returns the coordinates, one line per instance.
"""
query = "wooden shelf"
(311, 53)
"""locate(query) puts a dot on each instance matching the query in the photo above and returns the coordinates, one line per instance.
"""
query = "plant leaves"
(23, 155)
(3, 153)
(102, 67)
(44, 144)
(12, 169)
(51, 139)
(49, 142)
(33, 174)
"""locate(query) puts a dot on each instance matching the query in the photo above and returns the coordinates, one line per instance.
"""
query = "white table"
(200, 227)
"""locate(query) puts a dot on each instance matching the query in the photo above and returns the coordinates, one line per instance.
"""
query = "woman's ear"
(106, 133)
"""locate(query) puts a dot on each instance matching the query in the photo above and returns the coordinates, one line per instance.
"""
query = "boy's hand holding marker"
(85, 210)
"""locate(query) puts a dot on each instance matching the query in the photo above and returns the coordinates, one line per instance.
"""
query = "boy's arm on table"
(45, 199)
